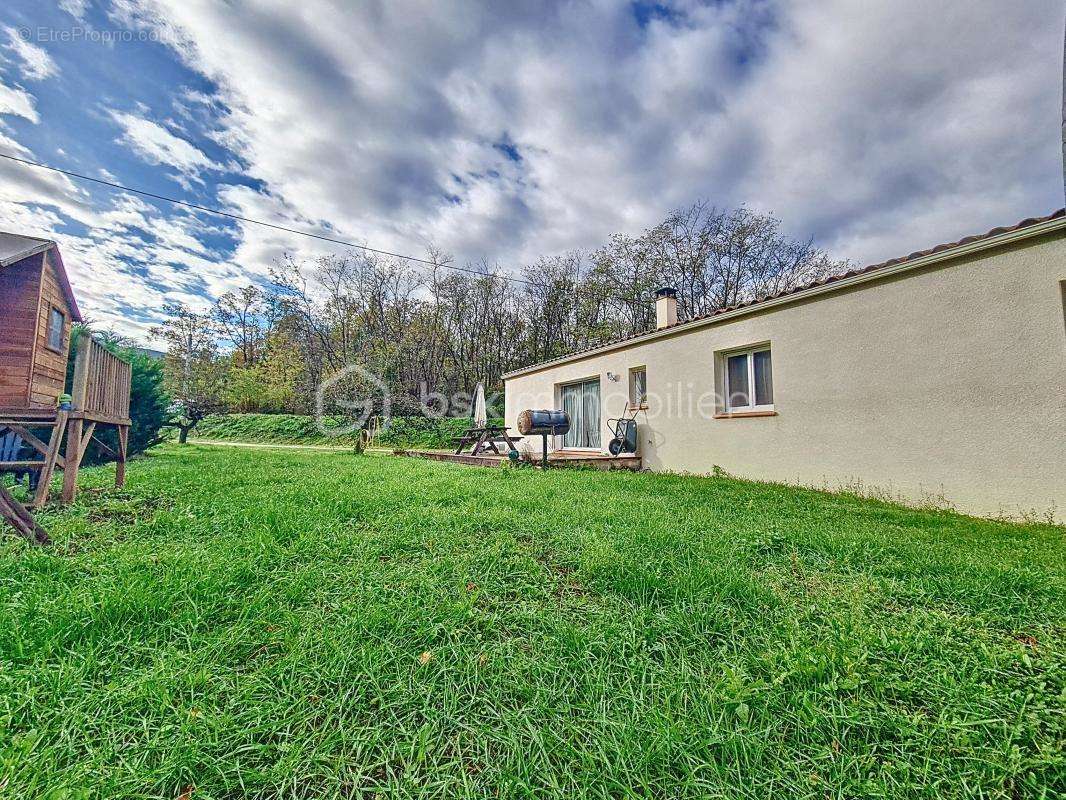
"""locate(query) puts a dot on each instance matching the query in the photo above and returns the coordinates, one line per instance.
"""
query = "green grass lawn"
(308, 624)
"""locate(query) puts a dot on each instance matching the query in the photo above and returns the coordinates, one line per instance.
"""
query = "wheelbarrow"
(625, 432)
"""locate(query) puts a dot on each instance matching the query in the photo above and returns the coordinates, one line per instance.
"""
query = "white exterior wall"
(946, 381)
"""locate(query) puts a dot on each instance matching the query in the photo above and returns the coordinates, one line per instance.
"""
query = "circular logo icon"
(347, 399)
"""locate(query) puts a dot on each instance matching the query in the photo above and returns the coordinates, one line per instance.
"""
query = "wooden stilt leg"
(51, 457)
(73, 460)
(120, 466)
(16, 515)
(86, 437)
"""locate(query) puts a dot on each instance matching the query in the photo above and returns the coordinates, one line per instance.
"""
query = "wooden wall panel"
(20, 289)
(49, 366)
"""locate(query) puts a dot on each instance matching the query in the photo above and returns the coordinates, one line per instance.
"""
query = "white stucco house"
(940, 376)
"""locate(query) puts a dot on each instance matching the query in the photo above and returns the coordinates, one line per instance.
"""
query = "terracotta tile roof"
(940, 248)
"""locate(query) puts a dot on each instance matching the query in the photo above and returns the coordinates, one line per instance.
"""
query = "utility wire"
(239, 218)
(219, 212)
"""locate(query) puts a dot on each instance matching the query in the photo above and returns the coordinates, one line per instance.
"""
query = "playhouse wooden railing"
(100, 397)
(101, 386)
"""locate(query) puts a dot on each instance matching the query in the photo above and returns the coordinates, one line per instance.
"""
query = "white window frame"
(728, 397)
(632, 400)
(52, 311)
(560, 438)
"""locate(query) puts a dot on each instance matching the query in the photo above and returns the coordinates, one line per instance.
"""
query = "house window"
(581, 401)
(638, 387)
(1062, 290)
(749, 381)
(56, 321)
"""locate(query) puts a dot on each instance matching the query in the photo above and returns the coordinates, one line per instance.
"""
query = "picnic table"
(487, 438)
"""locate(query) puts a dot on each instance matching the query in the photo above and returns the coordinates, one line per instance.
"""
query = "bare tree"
(448, 330)
(246, 318)
(193, 372)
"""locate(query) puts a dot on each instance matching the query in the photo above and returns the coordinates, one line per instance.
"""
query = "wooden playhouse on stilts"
(37, 434)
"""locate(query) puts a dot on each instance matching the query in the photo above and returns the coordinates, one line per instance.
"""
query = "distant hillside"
(299, 429)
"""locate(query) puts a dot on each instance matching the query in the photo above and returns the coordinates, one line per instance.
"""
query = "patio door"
(582, 402)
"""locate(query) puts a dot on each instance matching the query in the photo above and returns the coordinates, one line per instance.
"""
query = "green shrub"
(148, 400)
(403, 432)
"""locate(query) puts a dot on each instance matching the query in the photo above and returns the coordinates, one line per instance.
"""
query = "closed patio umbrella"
(481, 416)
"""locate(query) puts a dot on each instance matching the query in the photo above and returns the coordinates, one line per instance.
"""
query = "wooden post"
(73, 460)
(30, 439)
(87, 436)
(44, 480)
(120, 465)
(79, 385)
(19, 518)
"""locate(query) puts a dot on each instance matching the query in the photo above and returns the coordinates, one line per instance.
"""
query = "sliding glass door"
(582, 402)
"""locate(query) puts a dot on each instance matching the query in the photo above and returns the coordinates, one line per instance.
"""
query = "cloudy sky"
(500, 131)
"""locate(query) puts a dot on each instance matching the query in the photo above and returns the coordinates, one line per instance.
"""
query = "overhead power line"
(250, 221)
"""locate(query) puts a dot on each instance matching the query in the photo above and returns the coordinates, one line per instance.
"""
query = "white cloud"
(156, 145)
(877, 128)
(76, 8)
(126, 258)
(892, 128)
(36, 63)
(18, 102)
